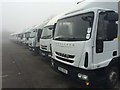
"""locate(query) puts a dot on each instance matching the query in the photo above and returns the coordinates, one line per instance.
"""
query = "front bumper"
(34, 48)
(93, 75)
(31, 48)
(45, 53)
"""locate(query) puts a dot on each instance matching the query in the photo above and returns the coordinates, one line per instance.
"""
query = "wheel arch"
(115, 62)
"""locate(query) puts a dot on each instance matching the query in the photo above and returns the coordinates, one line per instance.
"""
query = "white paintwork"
(79, 48)
(70, 48)
(54, 20)
(33, 40)
(27, 41)
(47, 42)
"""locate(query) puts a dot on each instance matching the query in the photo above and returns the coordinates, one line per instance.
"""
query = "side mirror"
(53, 29)
(39, 34)
(112, 29)
(111, 16)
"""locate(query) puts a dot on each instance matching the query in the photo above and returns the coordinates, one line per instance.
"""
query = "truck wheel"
(36, 52)
(112, 77)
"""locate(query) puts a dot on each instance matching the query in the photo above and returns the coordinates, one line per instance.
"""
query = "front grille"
(43, 47)
(65, 55)
(63, 59)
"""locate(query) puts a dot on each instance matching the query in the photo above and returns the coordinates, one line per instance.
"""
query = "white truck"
(19, 37)
(86, 43)
(46, 37)
(27, 36)
(16, 37)
(13, 37)
(35, 38)
(23, 38)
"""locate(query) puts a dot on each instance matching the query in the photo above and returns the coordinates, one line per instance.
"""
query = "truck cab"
(19, 39)
(46, 37)
(35, 38)
(45, 40)
(85, 44)
(27, 37)
(13, 37)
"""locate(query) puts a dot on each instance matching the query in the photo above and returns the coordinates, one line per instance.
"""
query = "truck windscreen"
(33, 34)
(47, 32)
(74, 28)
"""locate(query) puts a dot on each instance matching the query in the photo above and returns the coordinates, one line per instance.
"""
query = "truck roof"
(40, 26)
(54, 20)
(92, 5)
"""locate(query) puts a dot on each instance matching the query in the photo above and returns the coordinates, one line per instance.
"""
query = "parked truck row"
(83, 43)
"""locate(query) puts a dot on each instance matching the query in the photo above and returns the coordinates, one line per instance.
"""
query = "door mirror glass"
(111, 16)
(112, 29)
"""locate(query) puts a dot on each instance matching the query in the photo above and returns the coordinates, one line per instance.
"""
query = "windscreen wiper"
(69, 38)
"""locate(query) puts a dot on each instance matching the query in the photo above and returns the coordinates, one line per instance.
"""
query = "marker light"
(87, 83)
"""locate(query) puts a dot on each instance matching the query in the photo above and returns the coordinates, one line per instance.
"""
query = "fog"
(17, 16)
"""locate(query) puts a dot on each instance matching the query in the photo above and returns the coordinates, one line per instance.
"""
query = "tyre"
(112, 77)
(36, 51)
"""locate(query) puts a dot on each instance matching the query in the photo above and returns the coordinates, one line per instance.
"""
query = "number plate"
(63, 70)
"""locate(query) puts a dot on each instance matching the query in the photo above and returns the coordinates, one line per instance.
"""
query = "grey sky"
(17, 16)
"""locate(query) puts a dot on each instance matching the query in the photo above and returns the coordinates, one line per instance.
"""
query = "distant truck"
(27, 36)
(35, 38)
(46, 37)
(86, 43)
(13, 37)
(17, 37)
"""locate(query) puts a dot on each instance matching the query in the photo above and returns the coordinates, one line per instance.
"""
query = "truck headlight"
(83, 77)
(79, 75)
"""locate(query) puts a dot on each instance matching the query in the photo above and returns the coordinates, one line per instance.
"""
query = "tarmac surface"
(22, 69)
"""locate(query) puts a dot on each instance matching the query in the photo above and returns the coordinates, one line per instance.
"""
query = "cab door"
(106, 48)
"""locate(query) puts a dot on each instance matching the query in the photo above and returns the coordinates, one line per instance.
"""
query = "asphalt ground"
(22, 69)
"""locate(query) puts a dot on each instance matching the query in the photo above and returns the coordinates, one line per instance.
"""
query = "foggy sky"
(16, 16)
